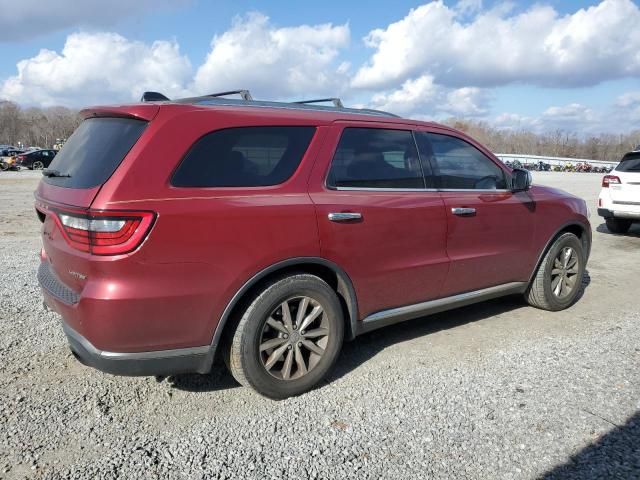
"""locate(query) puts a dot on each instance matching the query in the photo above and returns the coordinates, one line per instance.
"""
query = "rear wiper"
(47, 172)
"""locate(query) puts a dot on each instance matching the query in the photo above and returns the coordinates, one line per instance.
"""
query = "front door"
(490, 228)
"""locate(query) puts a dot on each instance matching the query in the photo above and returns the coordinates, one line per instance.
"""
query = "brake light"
(610, 180)
(104, 232)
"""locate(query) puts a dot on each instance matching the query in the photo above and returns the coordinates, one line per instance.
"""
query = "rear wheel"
(288, 338)
(618, 225)
(37, 165)
(558, 280)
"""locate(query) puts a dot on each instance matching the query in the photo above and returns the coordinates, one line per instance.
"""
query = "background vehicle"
(269, 232)
(619, 201)
(36, 159)
(8, 158)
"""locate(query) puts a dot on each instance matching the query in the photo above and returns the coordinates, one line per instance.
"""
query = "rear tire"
(618, 225)
(37, 165)
(288, 338)
(558, 280)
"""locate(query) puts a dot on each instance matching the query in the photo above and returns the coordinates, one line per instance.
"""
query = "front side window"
(459, 165)
(376, 158)
(244, 157)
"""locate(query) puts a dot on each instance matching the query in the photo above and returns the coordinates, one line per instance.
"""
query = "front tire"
(558, 280)
(618, 225)
(288, 338)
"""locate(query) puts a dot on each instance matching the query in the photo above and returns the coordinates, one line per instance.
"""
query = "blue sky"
(542, 66)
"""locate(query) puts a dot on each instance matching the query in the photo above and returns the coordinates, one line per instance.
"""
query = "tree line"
(37, 127)
(558, 143)
(41, 127)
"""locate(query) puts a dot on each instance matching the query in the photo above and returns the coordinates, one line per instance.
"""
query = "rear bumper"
(65, 302)
(606, 213)
(163, 362)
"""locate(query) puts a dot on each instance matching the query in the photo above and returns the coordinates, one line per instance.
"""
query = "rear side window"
(94, 151)
(244, 157)
(459, 165)
(629, 163)
(376, 158)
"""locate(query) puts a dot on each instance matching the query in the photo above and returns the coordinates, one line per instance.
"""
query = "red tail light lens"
(610, 180)
(105, 232)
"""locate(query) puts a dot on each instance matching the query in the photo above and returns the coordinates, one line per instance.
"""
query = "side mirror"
(521, 180)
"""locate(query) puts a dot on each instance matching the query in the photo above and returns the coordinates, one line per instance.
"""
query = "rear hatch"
(627, 192)
(71, 231)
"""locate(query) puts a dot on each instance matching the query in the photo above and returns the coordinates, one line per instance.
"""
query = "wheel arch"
(328, 271)
(583, 232)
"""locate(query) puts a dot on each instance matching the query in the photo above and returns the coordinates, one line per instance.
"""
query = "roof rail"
(153, 97)
(336, 101)
(244, 94)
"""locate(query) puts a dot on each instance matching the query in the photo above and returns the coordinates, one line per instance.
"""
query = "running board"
(410, 312)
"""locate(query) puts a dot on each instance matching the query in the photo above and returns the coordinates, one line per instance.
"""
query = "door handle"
(463, 211)
(344, 216)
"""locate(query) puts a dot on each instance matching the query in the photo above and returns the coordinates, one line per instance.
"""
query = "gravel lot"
(496, 390)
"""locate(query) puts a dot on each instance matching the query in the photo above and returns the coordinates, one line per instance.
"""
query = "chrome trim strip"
(374, 189)
(409, 312)
(179, 352)
(631, 215)
(625, 203)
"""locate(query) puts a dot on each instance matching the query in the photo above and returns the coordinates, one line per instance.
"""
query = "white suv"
(619, 201)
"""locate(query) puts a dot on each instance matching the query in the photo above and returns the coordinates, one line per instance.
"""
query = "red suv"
(268, 233)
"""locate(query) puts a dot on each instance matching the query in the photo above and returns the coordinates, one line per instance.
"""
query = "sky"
(541, 66)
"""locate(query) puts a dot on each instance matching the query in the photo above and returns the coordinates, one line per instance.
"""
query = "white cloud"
(423, 98)
(275, 62)
(468, 7)
(27, 18)
(96, 68)
(497, 47)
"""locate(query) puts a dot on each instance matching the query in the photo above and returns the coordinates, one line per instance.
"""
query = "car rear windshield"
(629, 163)
(244, 157)
(94, 151)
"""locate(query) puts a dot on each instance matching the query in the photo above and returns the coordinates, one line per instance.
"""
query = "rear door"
(489, 228)
(378, 217)
(627, 193)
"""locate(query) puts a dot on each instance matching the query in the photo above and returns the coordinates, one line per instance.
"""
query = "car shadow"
(366, 346)
(614, 455)
(634, 231)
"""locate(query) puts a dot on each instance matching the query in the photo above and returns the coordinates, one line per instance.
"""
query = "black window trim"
(402, 128)
(252, 187)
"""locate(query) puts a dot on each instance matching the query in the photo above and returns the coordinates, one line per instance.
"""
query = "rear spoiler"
(139, 112)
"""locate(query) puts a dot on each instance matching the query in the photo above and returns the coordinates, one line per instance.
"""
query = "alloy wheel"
(294, 338)
(38, 165)
(564, 275)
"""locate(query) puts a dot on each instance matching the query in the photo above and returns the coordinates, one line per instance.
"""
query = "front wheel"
(288, 338)
(558, 280)
(618, 225)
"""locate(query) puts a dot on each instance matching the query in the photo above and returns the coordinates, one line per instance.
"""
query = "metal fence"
(529, 159)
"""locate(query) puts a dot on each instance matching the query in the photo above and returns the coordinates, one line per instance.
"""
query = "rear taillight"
(610, 180)
(104, 232)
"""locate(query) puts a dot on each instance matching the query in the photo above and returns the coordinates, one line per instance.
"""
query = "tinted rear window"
(629, 163)
(94, 151)
(244, 157)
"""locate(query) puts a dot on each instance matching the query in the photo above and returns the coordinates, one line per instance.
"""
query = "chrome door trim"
(409, 312)
(344, 216)
(463, 211)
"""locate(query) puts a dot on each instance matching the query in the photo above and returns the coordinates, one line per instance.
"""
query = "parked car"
(8, 158)
(619, 201)
(36, 159)
(267, 233)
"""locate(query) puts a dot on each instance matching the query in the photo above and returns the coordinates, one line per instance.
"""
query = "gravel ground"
(497, 390)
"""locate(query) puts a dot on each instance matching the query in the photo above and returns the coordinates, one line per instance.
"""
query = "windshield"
(94, 151)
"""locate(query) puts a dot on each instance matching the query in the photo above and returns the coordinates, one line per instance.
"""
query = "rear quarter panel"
(206, 242)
